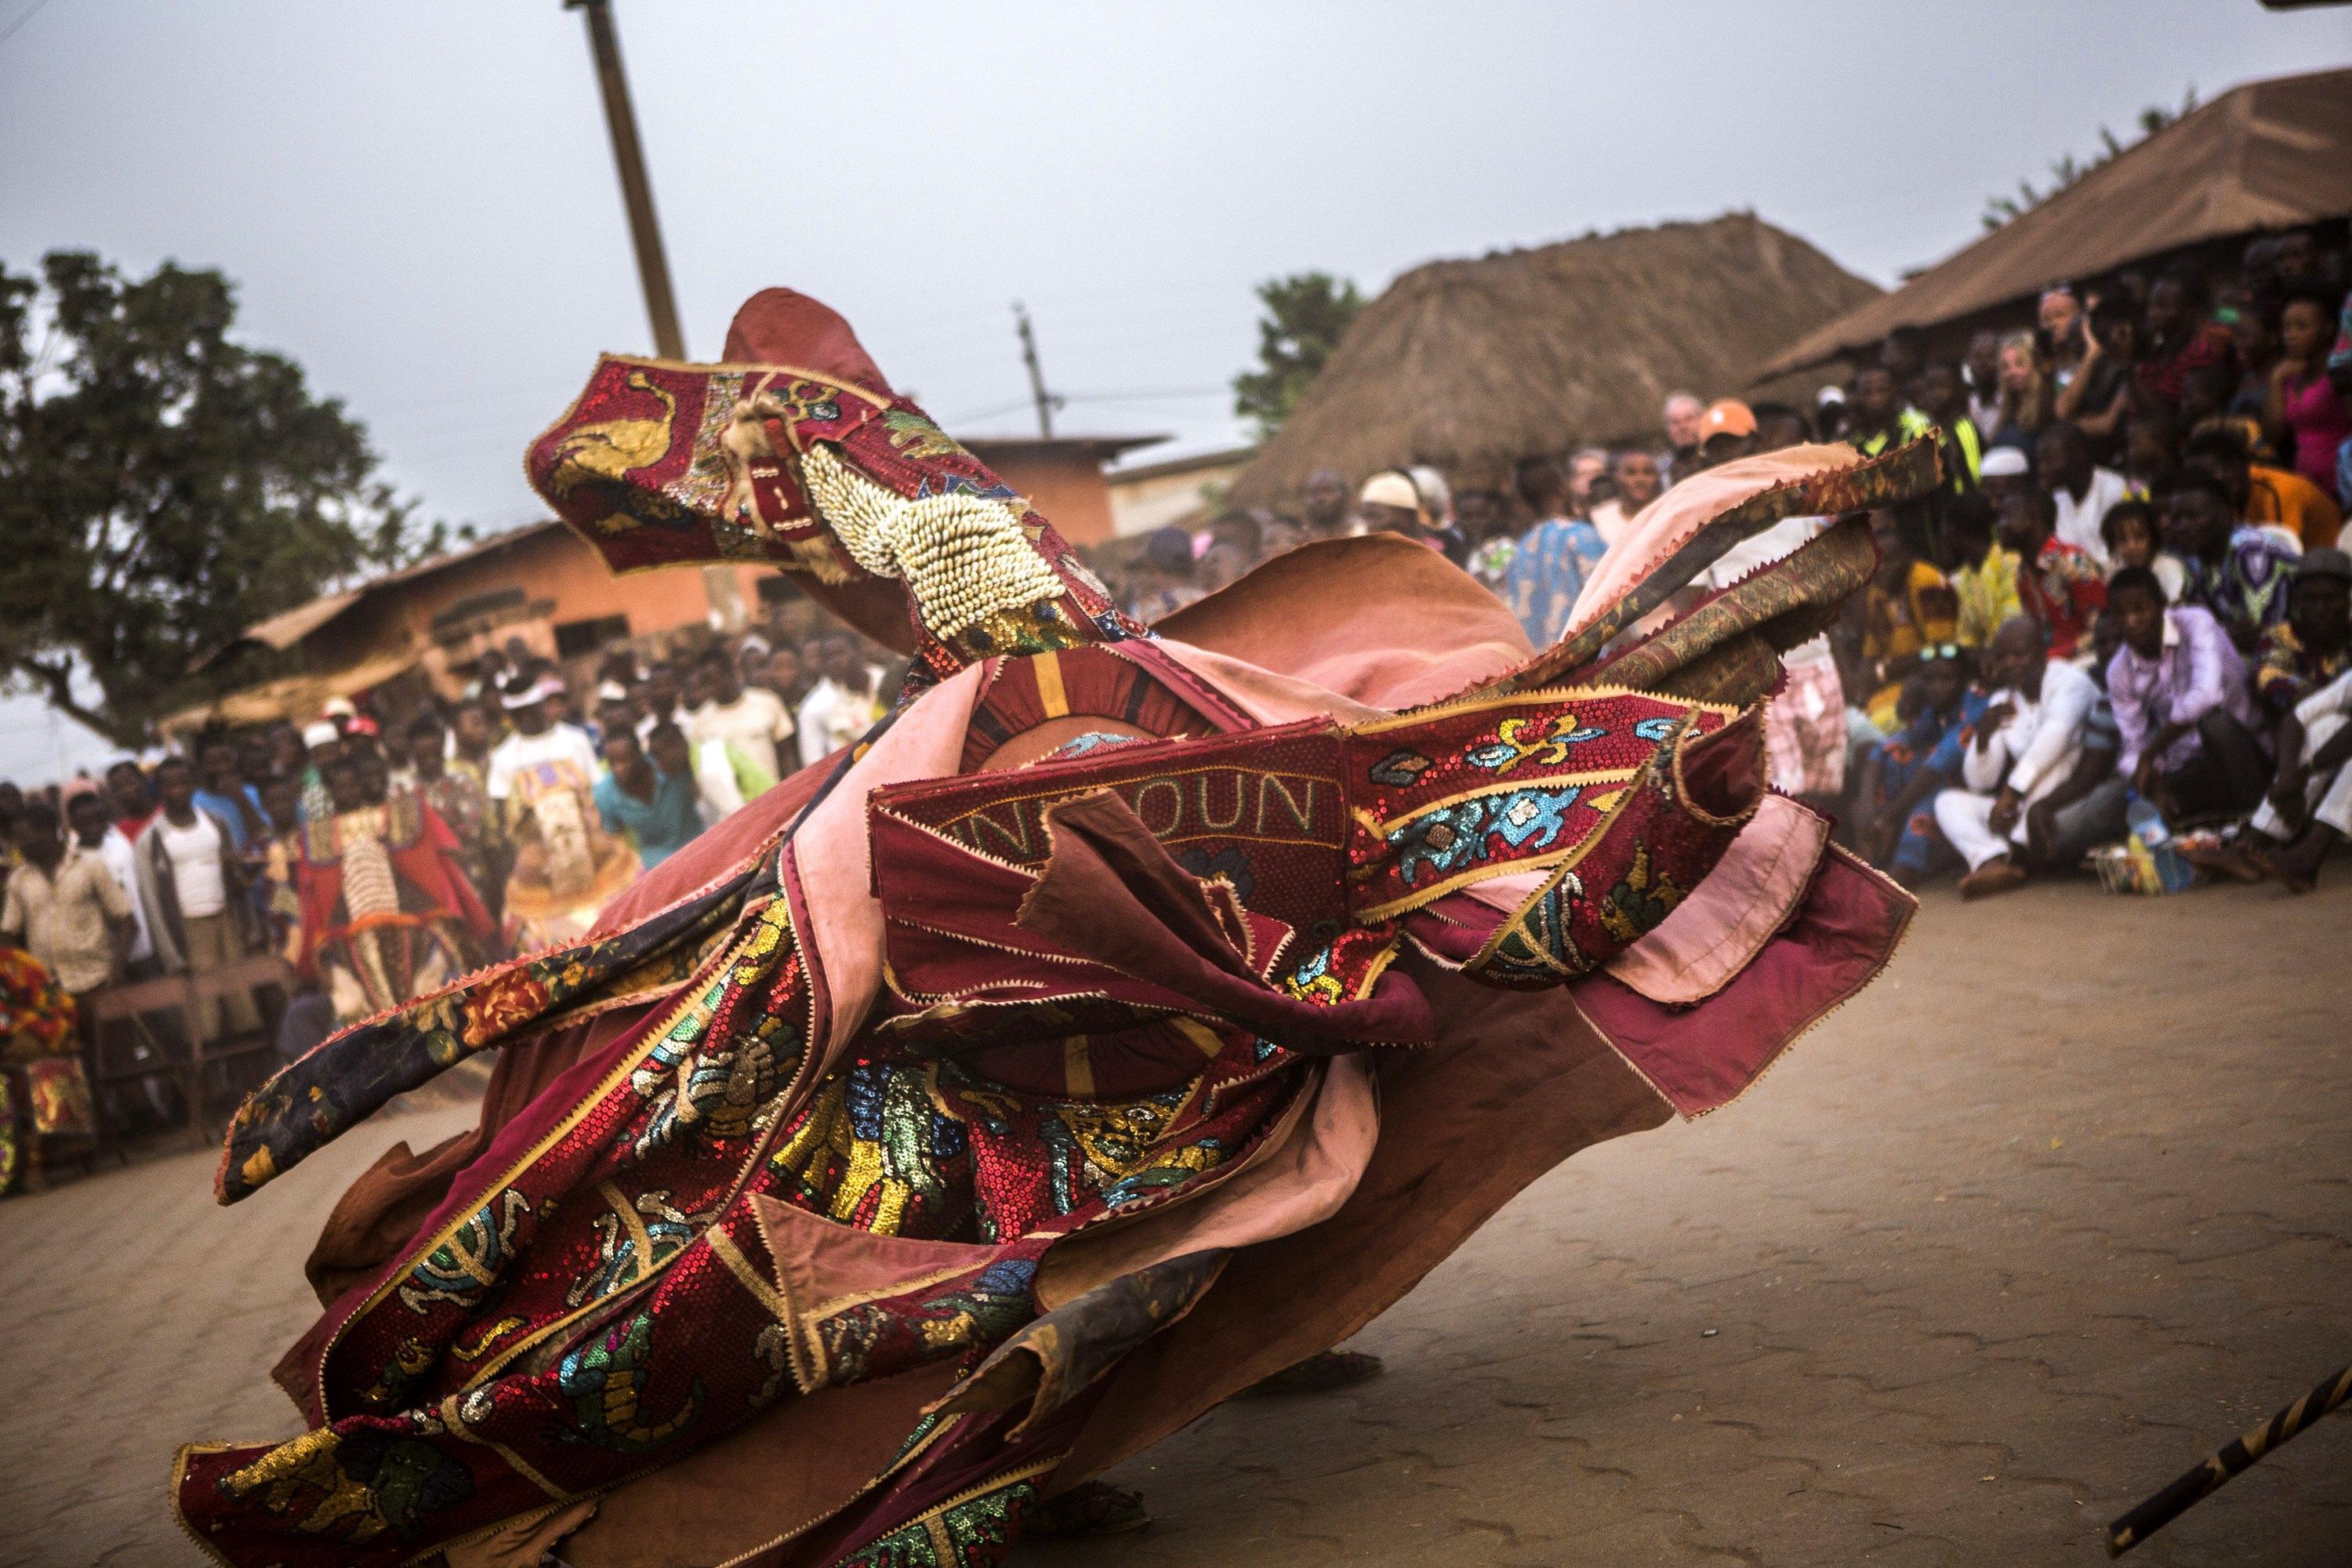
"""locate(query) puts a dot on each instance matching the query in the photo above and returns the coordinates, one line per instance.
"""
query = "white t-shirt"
(831, 717)
(2078, 522)
(115, 852)
(558, 743)
(754, 721)
(195, 856)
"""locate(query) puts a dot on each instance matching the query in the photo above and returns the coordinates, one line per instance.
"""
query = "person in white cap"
(541, 784)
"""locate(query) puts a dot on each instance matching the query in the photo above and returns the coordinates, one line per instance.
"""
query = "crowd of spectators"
(2124, 622)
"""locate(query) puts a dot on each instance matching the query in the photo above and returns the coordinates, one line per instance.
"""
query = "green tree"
(162, 488)
(2000, 210)
(1305, 315)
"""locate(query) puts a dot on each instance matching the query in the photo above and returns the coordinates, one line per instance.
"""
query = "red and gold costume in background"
(44, 1092)
(387, 910)
(1128, 1018)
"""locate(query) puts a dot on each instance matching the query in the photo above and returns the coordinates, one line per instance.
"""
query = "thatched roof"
(2267, 155)
(1472, 365)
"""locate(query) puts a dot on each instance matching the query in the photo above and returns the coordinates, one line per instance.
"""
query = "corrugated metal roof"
(2268, 156)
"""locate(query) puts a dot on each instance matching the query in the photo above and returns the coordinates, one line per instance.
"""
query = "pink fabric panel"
(829, 855)
(1669, 522)
(1705, 1056)
(1712, 934)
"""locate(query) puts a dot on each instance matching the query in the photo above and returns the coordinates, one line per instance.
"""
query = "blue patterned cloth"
(1548, 572)
(1930, 742)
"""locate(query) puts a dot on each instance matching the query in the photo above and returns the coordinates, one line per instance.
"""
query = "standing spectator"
(132, 801)
(192, 886)
(1981, 370)
(2039, 774)
(2238, 573)
(2262, 495)
(1907, 608)
(66, 909)
(1635, 476)
(1548, 571)
(2179, 688)
(2060, 586)
(458, 796)
(655, 810)
(1681, 415)
(787, 677)
(226, 795)
(1901, 774)
(1160, 584)
(2302, 409)
(473, 731)
(749, 719)
(1587, 466)
(1727, 431)
(1904, 352)
(2025, 394)
(2179, 335)
(1323, 502)
(1879, 416)
(2080, 490)
(660, 698)
(95, 834)
(842, 706)
(542, 788)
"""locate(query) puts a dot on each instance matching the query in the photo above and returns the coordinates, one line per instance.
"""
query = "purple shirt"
(2197, 670)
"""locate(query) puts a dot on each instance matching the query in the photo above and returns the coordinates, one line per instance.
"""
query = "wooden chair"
(263, 975)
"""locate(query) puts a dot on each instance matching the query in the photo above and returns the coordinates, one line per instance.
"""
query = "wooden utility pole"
(1036, 373)
(645, 232)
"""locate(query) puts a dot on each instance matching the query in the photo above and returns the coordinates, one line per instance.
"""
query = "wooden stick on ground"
(2240, 1454)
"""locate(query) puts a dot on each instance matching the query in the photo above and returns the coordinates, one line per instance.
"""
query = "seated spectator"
(2205, 405)
(2038, 788)
(2005, 471)
(654, 809)
(2080, 490)
(2098, 400)
(1901, 774)
(2308, 809)
(1879, 417)
(1548, 569)
(2151, 451)
(2060, 586)
(2264, 495)
(1985, 583)
(1634, 476)
(749, 719)
(2239, 573)
(1907, 608)
(2313, 644)
(2302, 409)
(2129, 534)
(2182, 709)
(1323, 504)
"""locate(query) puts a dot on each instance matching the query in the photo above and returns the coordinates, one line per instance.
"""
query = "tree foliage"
(2068, 169)
(162, 486)
(1305, 315)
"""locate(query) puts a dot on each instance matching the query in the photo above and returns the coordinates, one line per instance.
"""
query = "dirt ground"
(2055, 1209)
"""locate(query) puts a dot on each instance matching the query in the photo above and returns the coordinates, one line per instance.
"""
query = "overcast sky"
(417, 201)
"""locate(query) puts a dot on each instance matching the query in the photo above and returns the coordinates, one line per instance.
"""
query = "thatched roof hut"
(1473, 364)
(2268, 156)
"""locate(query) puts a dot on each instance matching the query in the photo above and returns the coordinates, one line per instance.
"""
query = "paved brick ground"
(2055, 1209)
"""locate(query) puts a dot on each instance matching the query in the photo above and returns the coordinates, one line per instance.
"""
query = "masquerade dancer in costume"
(387, 911)
(958, 1118)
